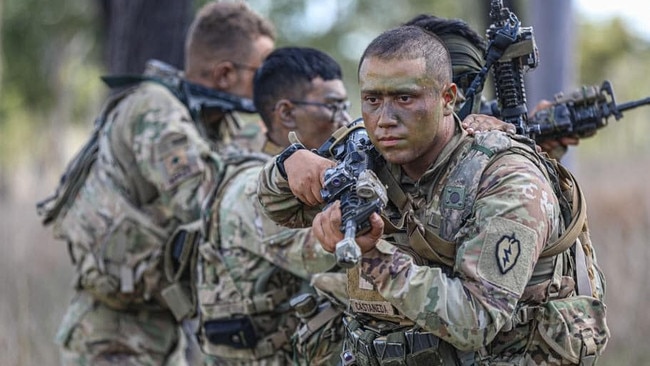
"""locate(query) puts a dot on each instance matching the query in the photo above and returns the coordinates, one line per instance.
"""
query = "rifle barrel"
(633, 104)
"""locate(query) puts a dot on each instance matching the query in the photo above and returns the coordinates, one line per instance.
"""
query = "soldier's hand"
(306, 174)
(555, 148)
(326, 228)
(482, 122)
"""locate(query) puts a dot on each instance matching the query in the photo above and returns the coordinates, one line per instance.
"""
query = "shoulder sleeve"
(166, 147)
(244, 224)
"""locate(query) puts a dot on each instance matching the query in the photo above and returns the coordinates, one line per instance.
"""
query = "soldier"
(250, 267)
(143, 175)
(477, 259)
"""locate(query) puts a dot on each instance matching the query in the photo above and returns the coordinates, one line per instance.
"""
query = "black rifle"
(353, 182)
(510, 54)
(518, 54)
(197, 98)
(579, 114)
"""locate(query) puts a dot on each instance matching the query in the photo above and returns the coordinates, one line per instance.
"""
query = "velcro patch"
(178, 159)
(507, 254)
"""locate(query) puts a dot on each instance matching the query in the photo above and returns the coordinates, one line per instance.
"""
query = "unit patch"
(507, 254)
(179, 160)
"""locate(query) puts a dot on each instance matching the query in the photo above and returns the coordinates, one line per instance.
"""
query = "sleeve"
(278, 202)
(244, 224)
(514, 216)
(168, 150)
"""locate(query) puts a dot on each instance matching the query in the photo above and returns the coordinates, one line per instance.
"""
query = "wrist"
(284, 155)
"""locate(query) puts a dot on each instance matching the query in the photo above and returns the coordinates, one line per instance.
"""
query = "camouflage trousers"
(93, 334)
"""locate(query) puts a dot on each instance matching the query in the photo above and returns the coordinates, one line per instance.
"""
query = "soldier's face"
(246, 68)
(402, 110)
(320, 112)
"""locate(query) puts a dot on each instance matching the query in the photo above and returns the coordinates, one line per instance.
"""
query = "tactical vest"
(570, 257)
(238, 320)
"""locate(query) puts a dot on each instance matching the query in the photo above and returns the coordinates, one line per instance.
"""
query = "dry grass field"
(35, 272)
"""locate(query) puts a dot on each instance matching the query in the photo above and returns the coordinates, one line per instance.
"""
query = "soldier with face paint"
(469, 262)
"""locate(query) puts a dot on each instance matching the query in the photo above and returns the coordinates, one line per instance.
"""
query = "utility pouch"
(575, 328)
(236, 332)
(179, 262)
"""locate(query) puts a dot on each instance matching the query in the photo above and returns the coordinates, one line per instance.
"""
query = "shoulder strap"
(578, 216)
(182, 249)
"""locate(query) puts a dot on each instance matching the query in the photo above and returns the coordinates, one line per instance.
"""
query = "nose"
(386, 116)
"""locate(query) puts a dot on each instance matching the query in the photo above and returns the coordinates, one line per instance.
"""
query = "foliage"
(36, 34)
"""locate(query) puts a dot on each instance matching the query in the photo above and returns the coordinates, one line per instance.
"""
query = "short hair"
(287, 73)
(411, 42)
(221, 29)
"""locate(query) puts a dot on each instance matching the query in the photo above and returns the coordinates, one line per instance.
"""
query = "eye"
(371, 99)
(404, 98)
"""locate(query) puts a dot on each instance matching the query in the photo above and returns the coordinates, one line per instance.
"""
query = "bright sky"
(633, 10)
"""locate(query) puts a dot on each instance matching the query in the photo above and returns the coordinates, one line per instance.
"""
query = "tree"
(138, 30)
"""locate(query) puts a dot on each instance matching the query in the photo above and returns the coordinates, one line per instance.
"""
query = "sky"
(633, 10)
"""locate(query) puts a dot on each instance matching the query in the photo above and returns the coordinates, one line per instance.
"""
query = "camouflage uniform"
(148, 177)
(482, 300)
(249, 269)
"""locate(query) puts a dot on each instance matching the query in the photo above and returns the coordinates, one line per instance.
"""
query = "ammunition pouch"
(179, 263)
(238, 333)
(388, 344)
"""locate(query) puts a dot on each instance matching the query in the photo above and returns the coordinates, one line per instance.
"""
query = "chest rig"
(243, 313)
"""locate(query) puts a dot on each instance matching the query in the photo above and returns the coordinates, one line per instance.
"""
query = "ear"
(224, 75)
(284, 111)
(449, 95)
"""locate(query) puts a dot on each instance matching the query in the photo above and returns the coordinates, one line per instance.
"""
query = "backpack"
(116, 274)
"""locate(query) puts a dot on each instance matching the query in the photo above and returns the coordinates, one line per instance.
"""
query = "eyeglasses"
(335, 107)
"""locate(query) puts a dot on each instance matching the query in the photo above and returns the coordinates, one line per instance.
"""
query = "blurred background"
(54, 51)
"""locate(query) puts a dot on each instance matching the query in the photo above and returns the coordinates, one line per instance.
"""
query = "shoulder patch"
(507, 254)
(178, 160)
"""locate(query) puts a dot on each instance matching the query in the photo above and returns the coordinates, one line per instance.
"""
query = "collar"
(271, 148)
(440, 163)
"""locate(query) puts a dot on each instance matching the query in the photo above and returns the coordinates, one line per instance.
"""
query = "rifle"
(197, 98)
(352, 182)
(518, 55)
(580, 113)
(510, 54)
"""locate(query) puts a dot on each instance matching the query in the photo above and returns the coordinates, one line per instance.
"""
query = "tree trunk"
(139, 30)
